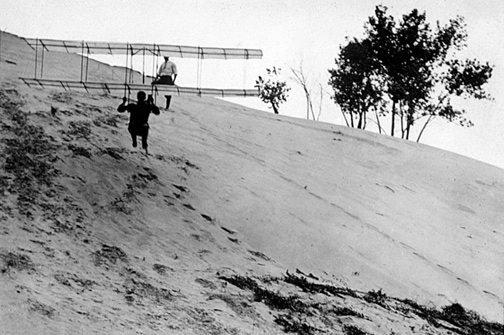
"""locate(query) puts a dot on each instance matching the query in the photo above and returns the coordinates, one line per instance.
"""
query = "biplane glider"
(83, 48)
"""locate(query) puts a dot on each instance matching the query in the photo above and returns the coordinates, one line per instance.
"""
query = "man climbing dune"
(139, 117)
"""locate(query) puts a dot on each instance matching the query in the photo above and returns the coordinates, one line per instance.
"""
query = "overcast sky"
(289, 32)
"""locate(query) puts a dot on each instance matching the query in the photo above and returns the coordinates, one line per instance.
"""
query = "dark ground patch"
(109, 255)
(16, 261)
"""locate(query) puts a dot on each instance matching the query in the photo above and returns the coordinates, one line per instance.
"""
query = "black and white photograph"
(239, 167)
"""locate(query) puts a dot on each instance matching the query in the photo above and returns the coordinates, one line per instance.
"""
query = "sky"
(292, 34)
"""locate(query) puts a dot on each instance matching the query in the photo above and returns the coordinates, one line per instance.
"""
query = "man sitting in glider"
(166, 75)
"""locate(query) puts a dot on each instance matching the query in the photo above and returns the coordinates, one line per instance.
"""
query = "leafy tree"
(405, 54)
(273, 91)
(356, 86)
(462, 79)
(413, 66)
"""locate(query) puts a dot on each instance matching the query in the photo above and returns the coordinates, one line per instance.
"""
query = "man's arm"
(175, 72)
(153, 108)
(122, 107)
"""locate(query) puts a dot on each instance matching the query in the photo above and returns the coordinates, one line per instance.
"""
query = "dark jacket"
(139, 112)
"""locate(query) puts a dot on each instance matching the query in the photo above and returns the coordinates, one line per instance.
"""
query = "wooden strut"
(66, 48)
(131, 67)
(87, 61)
(199, 68)
(42, 59)
(143, 67)
(155, 66)
(82, 61)
(130, 72)
(126, 74)
(26, 83)
(36, 57)
(0, 50)
(153, 70)
(245, 69)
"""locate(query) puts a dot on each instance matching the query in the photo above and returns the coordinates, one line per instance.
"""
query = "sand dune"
(197, 238)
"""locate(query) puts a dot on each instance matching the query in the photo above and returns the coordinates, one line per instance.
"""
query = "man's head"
(141, 96)
(166, 58)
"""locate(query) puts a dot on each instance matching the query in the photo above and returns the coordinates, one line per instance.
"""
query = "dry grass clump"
(19, 262)
(29, 157)
(301, 315)
(109, 254)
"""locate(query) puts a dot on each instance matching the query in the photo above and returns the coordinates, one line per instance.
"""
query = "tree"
(405, 55)
(273, 91)
(462, 79)
(354, 81)
(413, 67)
(302, 79)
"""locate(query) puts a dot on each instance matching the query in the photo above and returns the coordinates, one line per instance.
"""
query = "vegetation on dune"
(312, 287)
(353, 330)
(29, 156)
(29, 168)
(466, 321)
(19, 262)
(302, 315)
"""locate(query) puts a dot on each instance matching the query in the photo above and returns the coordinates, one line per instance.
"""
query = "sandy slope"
(98, 238)
(379, 212)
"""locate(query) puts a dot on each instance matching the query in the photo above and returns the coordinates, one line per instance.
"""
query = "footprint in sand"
(162, 269)
(491, 294)
(423, 258)
(206, 283)
(182, 189)
(464, 281)
(260, 255)
(445, 269)
(206, 217)
(229, 231)
(189, 206)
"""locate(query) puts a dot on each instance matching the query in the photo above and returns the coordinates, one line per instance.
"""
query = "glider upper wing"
(102, 48)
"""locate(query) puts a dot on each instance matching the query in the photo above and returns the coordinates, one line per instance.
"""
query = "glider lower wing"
(108, 88)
